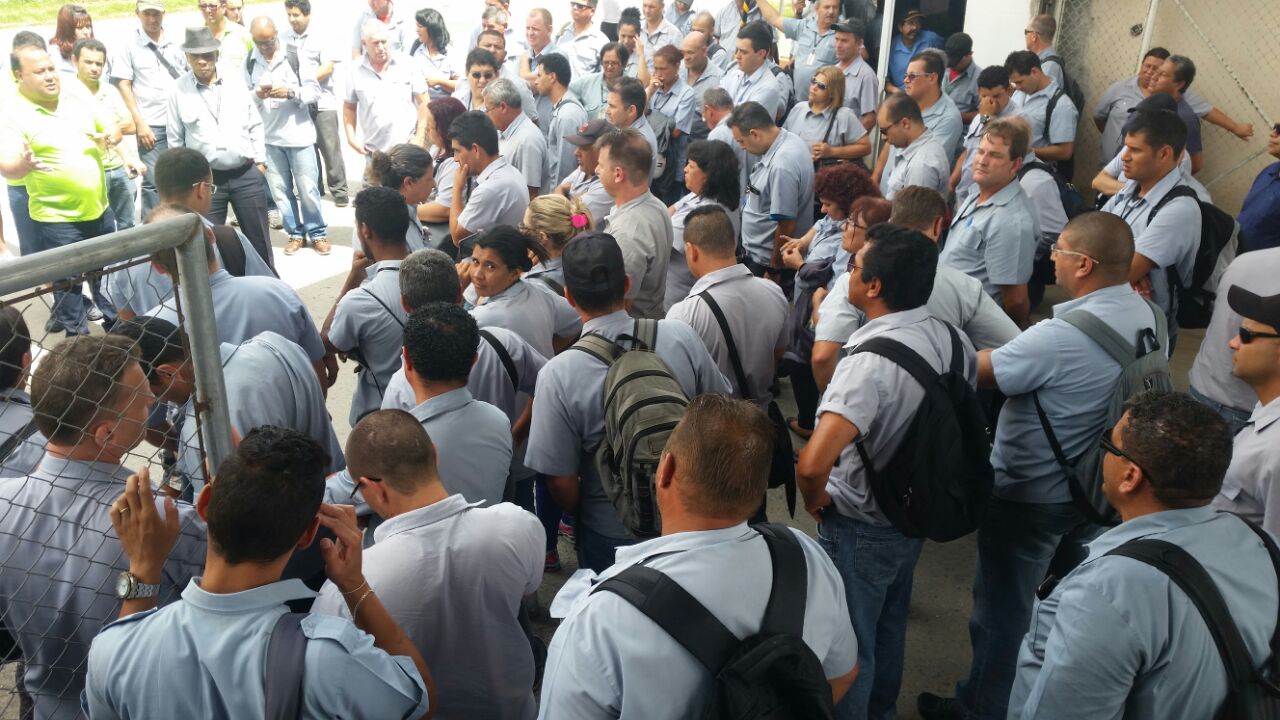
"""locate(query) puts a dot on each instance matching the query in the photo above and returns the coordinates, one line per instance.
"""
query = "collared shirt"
(780, 188)
(511, 71)
(286, 122)
(15, 415)
(590, 190)
(536, 316)
(1252, 484)
(679, 278)
(220, 121)
(243, 307)
(760, 86)
(524, 146)
(1060, 128)
(452, 574)
(59, 562)
(441, 65)
(826, 243)
(74, 187)
(994, 241)
(582, 49)
(969, 146)
(1113, 108)
(1211, 372)
(943, 118)
(1072, 376)
(756, 312)
(369, 323)
(216, 645)
(499, 195)
(1115, 168)
(513, 39)
(666, 34)
(269, 381)
(711, 77)
(236, 44)
(139, 63)
(1052, 69)
(900, 55)
(110, 106)
(924, 162)
(552, 269)
(386, 102)
(401, 30)
(963, 88)
(1170, 241)
(746, 161)
(592, 90)
(956, 299)
(838, 129)
(568, 408)
(567, 117)
(811, 48)
(609, 660)
(881, 399)
(1260, 216)
(1118, 639)
(642, 227)
(318, 52)
(682, 21)
(1041, 188)
(677, 104)
(861, 87)
(642, 126)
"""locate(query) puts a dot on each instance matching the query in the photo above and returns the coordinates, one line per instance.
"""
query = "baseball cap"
(853, 26)
(590, 132)
(150, 5)
(1259, 308)
(912, 15)
(957, 46)
(592, 263)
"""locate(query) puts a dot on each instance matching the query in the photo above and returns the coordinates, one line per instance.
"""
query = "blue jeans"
(596, 551)
(1017, 544)
(1235, 417)
(28, 233)
(548, 511)
(290, 167)
(120, 195)
(151, 197)
(876, 564)
(69, 306)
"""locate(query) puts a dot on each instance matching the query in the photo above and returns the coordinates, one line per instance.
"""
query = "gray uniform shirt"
(810, 48)
(531, 313)
(861, 87)
(219, 121)
(139, 63)
(369, 322)
(963, 89)
(1046, 129)
(524, 146)
(386, 102)
(286, 122)
(994, 241)
(590, 190)
(15, 415)
(1252, 484)
(761, 86)
(582, 49)
(924, 162)
(499, 195)
(642, 228)
(837, 129)
(1113, 108)
(780, 188)
(567, 117)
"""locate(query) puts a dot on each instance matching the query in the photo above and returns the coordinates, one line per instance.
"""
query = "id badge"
(813, 57)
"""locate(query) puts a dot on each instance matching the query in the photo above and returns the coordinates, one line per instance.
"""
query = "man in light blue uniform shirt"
(779, 197)
(21, 444)
(1045, 104)
(813, 38)
(1039, 35)
(492, 192)
(938, 113)
(915, 156)
(568, 407)
(751, 79)
(995, 96)
(265, 504)
(993, 233)
(565, 119)
(1165, 243)
(1031, 518)
(367, 320)
(1117, 637)
(960, 81)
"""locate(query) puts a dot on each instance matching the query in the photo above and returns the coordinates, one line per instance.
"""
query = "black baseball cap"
(956, 47)
(592, 263)
(589, 133)
(1259, 308)
(853, 26)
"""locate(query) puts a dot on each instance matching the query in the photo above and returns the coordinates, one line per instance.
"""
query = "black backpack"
(1069, 84)
(1066, 168)
(1072, 201)
(1219, 245)
(772, 675)
(940, 477)
(1253, 693)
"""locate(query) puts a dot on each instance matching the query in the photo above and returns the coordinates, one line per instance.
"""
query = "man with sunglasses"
(235, 41)
(1260, 215)
(580, 40)
(1117, 636)
(1030, 518)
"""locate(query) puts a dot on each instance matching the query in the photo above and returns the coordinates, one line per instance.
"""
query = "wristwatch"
(129, 587)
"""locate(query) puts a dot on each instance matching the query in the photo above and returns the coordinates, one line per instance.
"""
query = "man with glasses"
(386, 96)
(1039, 39)
(1260, 215)
(234, 40)
(581, 41)
(915, 156)
(1117, 637)
(496, 43)
(1031, 520)
(994, 95)
(938, 113)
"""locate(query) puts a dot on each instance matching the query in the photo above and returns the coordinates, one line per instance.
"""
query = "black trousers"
(245, 189)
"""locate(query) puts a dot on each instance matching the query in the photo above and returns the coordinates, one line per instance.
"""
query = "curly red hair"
(844, 183)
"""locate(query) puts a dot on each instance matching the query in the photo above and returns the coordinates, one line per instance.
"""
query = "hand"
(987, 106)
(464, 272)
(146, 137)
(31, 163)
(330, 362)
(1244, 131)
(875, 179)
(791, 256)
(798, 6)
(357, 146)
(136, 169)
(820, 150)
(145, 537)
(102, 140)
(815, 502)
(360, 262)
(460, 181)
(279, 93)
(1143, 287)
(818, 296)
(342, 555)
(262, 168)
(262, 91)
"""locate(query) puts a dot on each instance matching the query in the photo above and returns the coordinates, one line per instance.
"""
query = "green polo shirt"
(74, 188)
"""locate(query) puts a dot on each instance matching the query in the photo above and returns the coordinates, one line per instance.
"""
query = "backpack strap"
(1273, 550)
(598, 347)
(736, 361)
(504, 356)
(230, 249)
(784, 615)
(291, 57)
(904, 357)
(286, 663)
(557, 287)
(1175, 192)
(20, 436)
(1048, 112)
(1111, 342)
(1033, 165)
(645, 334)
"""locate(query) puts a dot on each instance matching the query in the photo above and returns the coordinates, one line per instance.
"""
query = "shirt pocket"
(192, 113)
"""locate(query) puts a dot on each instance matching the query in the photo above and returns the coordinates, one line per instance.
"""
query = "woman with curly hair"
(553, 220)
(711, 177)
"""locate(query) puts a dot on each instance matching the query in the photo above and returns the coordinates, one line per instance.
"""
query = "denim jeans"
(28, 233)
(876, 564)
(1235, 417)
(150, 197)
(596, 551)
(547, 510)
(120, 195)
(329, 143)
(69, 306)
(288, 168)
(1017, 544)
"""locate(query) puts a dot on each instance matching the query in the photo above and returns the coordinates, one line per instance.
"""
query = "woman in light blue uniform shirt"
(434, 213)
(711, 177)
(431, 54)
(406, 169)
(553, 220)
(593, 89)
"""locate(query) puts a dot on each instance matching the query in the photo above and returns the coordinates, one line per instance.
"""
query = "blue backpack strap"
(286, 665)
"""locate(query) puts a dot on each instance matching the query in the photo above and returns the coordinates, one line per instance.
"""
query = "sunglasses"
(579, 6)
(1247, 336)
(481, 76)
(818, 84)
(1105, 443)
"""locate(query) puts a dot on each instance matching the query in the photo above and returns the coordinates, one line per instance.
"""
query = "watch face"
(124, 583)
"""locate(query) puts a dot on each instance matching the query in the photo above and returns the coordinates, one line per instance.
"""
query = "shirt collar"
(1106, 293)
(1157, 192)
(441, 404)
(542, 268)
(1003, 196)
(909, 151)
(1151, 524)
(632, 203)
(678, 542)
(618, 318)
(514, 126)
(720, 277)
(264, 597)
(760, 71)
(423, 516)
(777, 143)
(1264, 415)
(639, 123)
(514, 292)
(888, 322)
(497, 164)
(68, 473)
(1046, 92)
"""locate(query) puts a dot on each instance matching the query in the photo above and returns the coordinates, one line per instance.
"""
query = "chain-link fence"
(78, 414)
(1103, 41)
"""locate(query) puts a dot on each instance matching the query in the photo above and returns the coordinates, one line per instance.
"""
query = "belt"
(221, 176)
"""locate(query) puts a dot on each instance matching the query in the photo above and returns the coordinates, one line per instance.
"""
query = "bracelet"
(355, 611)
(362, 586)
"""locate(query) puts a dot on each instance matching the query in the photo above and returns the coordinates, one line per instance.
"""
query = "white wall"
(996, 28)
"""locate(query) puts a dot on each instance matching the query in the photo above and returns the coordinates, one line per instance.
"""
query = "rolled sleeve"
(375, 684)
(784, 193)
(344, 331)
(854, 392)
(837, 317)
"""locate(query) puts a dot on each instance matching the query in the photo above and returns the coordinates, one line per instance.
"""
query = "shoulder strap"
(784, 615)
(678, 613)
(957, 349)
(389, 310)
(546, 280)
(1048, 111)
(1053, 58)
(606, 351)
(249, 63)
(902, 356)
(291, 57)
(230, 249)
(286, 662)
(741, 375)
(1176, 191)
(1120, 350)
(645, 333)
(1187, 573)
(1274, 551)
(1033, 165)
(20, 436)
(414, 48)
(504, 356)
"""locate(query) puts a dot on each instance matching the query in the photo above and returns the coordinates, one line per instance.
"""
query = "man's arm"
(832, 435)
(770, 14)
(145, 537)
(420, 131)
(957, 170)
(825, 357)
(1057, 151)
(564, 490)
(458, 203)
(146, 138)
(881, 161)
(986, 371)
(349, 127)
(785, 229)
(1105, 184)
(1016, 303)
(841, 685)
(1244, 131)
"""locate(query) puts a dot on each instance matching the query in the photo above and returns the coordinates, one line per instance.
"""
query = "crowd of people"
(588, 264)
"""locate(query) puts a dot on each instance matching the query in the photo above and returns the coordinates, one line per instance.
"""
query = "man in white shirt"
(451, 573)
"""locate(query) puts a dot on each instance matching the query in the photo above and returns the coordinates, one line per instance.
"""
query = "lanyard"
(215, 88)
(1130, 205)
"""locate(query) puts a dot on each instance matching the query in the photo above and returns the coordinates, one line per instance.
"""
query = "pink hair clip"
(578, 221)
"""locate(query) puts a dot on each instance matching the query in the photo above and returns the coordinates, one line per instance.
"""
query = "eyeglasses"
(851, 225)
(209, 6)
(818, 84)
(1105, 443)
(1030, 32)
(579, 6)
(355, 480)
(912, 76)
(481, 76)
(213, 189)
(1247, 336)
(1055, 250)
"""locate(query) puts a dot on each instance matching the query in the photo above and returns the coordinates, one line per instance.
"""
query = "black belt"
(222, 176)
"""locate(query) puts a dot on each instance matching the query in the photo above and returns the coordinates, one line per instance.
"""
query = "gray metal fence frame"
(186, 235)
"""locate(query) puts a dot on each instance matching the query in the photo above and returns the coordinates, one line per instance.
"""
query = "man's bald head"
(392, 447)
(262, 27)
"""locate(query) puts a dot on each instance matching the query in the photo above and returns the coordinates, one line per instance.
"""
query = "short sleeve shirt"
(963, 87)
(1211, 375)
(524, 146)
(73, 188)
(386, 108)
(861, 87)
(1113, 108)
(140, 64)
(924, 162)
(1252, 485)
(369, 324)
(994, 241)
(761, 86)
(838, 129)
(642, 228)
(1048, 129)
(499, 195)
(566, 118)
(582, 49)
(536, 316)
(780, 188)
(811, 49)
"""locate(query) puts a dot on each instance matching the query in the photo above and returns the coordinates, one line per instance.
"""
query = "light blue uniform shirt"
(1035, 107)
(679, 278)
(1252, 485)
(677, 104)
(592, 90)
(826, 244)
(213, 649)
(1073, 377)
(861, 86)
(59, 562)
(780, 188)
(15, 414)
(525, 147)
(711, 77)
(943, 118)
(963, 90)
(761, 87)
(994, 241)
(583, 50)
(666, 34)
(1118, 639)
(499, 195)
(369, 321)
(286, 122)
(810, 50)
(837, 129)
(534, 315)
(969, 146)
(567, 117)
(552, 269)
(568, 408)
(1114, 109)
(900, 55)
(925, 162)
(243, 307)
(1052, 69)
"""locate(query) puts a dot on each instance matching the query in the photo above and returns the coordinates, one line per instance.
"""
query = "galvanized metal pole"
(882, 68)
(1147, 30)
(202, 337)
